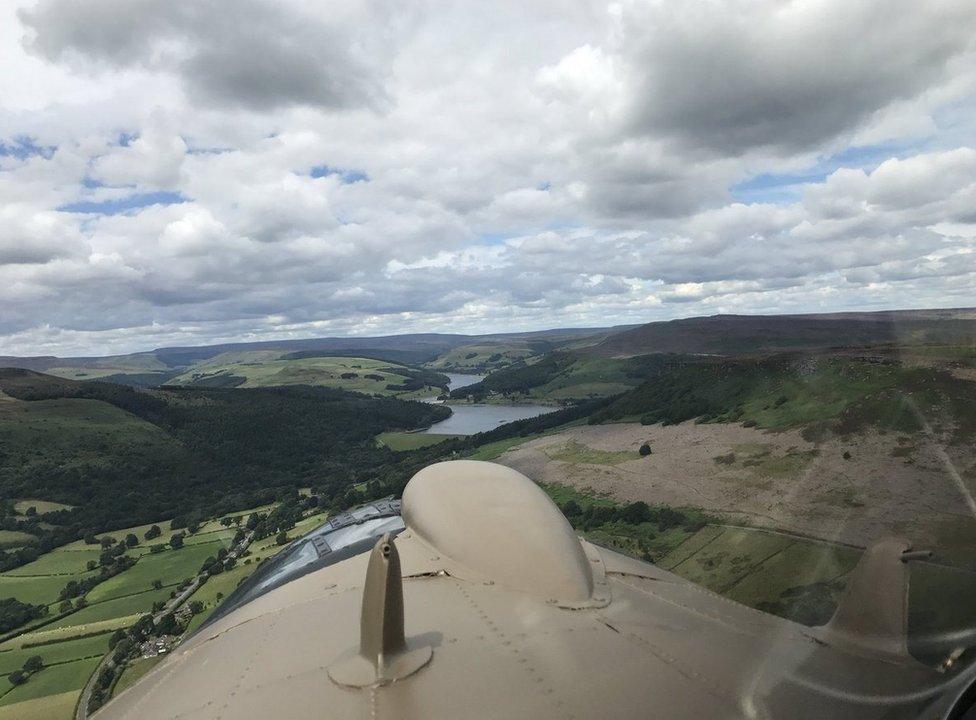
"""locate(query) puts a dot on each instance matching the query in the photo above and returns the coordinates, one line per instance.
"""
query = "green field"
(14, 538)
(66, 560)
(134, 671)
(223, 535)
(137, 604)
(36, 590)
(328, 371)
(803, 579)
(42, 506)
(224, 583)
(209, 531)
(410, 440)
(45, 635)
(56, 653)
(171, 568)
(49, 707)
(605, 522)
(782, 574)
(53, 680)
(72, 645)
(576, 453)
(483, 356)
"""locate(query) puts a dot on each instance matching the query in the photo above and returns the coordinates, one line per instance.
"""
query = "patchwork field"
(169, 568)
(482, 356)
(51, 681)
(803, 579)
(54, 654)
(346, 373)
(71, 645)
(50, 707)
(37, 590)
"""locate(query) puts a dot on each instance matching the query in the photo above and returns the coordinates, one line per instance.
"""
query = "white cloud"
(491, 167)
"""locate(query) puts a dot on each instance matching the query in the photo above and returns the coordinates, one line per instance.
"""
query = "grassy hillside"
(265, 369)
(121, 455)
(842, 394)
(566, 377)
(157, 367)
(488, 356)
(744, 334)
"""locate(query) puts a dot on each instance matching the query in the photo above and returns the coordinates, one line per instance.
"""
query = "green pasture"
(52, 681)
(50, 707)
(36, 590)
(42, 506)
(786, 575)
(327, 371)
(97, 612)
(481, 356)
(60, 561)
(170, 567)
(63, 633)
(54, 653)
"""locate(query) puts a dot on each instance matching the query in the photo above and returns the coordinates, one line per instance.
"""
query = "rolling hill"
(750, 334)
(160, 366)
(124, 455)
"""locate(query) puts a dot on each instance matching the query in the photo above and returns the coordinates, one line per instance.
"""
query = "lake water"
(459, 381)
(471, 419)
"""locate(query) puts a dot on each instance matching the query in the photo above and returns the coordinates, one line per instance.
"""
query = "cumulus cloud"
(732, 76)
(259, 170)
(247, 54)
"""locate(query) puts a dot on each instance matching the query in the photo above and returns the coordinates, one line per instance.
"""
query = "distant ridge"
(745, 334)
(412, 347)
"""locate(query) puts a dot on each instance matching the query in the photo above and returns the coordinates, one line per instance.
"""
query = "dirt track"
(890, 484)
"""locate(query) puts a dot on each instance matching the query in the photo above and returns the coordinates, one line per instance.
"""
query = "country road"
(81, 709)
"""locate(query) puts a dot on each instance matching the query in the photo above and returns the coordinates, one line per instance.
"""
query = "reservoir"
(471, 419)
(459, 381)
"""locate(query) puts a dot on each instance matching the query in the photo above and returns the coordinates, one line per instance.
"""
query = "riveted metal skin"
(646, 644)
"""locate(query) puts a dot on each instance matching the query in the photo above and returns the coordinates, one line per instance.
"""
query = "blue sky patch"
(788, 187)
(121, 205)
(23, 147)
(347, 177)
(772, 188)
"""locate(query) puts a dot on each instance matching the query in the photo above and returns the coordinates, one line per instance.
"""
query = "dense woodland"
(209, 449)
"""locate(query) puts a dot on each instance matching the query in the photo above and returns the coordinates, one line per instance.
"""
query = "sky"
(181, 172)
